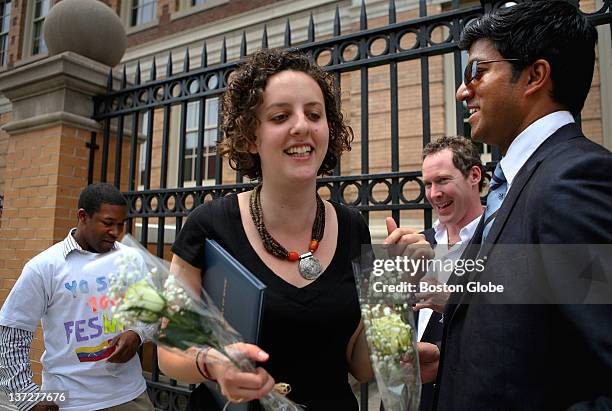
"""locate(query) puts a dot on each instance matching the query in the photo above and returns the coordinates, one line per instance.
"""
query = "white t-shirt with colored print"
(69, 295)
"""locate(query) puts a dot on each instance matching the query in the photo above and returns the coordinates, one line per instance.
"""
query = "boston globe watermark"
(499, 274)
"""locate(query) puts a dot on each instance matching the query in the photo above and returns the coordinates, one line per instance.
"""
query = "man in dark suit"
(529, 71)
(452, 173)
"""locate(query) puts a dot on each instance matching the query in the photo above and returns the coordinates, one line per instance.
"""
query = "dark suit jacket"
(535, 357)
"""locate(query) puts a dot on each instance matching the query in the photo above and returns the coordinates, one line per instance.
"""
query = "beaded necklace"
(309, 266)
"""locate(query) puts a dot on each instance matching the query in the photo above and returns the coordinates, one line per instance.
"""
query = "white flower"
(140, 297)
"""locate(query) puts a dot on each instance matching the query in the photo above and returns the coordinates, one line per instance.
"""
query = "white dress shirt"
(444, 252)
(528, 141)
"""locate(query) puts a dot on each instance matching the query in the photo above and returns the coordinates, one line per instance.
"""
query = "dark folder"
(239, 295)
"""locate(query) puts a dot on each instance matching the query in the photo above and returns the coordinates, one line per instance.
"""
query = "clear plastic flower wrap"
(142, 290)
(391, 334)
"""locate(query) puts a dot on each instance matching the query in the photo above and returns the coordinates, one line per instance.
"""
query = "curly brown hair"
(244, 94)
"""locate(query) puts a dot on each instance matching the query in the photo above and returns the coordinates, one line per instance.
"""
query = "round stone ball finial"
(86, 27)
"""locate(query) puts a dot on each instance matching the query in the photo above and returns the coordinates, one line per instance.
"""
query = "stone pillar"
(47, 158)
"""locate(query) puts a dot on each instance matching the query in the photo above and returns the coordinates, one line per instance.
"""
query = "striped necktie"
(497, 192)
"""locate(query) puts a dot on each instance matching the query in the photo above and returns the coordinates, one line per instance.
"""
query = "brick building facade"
(47, 188)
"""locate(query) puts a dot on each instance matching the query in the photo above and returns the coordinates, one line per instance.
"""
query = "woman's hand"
(239, 386)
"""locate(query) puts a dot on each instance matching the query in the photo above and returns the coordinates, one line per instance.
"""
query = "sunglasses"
(471, 70)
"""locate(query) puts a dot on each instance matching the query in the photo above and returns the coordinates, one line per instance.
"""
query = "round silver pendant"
(309, 266)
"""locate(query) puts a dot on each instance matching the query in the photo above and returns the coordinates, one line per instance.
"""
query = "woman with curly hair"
(283, 126)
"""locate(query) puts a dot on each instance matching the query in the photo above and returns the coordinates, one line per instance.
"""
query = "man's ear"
(475, 175)
(538, 77)
(82, 215)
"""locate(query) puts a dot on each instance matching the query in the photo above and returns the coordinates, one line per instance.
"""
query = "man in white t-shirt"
(452, 173)
(90, 361)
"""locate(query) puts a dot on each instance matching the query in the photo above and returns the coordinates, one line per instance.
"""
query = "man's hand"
(125, 344)
(45, 406)
(408, 242)
(435, 300)
(429, 359)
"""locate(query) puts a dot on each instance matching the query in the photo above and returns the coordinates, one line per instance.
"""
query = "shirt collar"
(465, 234)
(528, 141)
(70, 244)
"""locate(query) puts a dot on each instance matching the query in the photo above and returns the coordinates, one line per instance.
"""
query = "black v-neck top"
(305, 330)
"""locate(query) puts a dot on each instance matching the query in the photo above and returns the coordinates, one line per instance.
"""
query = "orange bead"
(293, 256)
(314, 244)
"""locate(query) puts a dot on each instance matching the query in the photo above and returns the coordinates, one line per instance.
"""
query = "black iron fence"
(140, 113)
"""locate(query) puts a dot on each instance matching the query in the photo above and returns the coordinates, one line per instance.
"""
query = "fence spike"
(124, 77)
(109, 81)
(363, 17)
(337, 22)
(243, 45)
(153, 70)
(224, 51)
(264, 37)
(392, 16)
(169, 66)
(311, 29)
(137, 77)
(186, 61)
(204, 60)
(287, 34)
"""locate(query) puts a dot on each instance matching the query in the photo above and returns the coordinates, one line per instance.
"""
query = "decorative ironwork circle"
(373, 185)
(402, 189)
(349, 52)
(324, 57)
(373, 45)
(405, 35)
(432, 32)
(343, 188)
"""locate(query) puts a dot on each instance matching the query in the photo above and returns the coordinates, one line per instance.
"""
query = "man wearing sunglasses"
(529, 71)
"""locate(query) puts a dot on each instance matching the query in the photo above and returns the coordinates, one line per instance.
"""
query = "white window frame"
(173, 150)
(30, 20)
(185, 8)
(209, 147)
(126, 17)
(4, 31)
(142, 144)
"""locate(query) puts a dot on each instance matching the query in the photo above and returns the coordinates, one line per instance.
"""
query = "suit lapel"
(522, 178)
(518, 185)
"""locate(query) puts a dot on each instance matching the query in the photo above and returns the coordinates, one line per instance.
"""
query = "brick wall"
(16, 31)
(4, 118)
(167, 26)
(45, 171)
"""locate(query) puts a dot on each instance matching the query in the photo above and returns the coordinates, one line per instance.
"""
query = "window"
(41, 9)
(209, 148)
(5, 23)
(142, 157)
(142, 11)
(187, 7)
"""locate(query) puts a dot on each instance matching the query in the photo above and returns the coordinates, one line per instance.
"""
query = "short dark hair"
(553, 30)
(244, 94)
(94, 195)
(465, 154)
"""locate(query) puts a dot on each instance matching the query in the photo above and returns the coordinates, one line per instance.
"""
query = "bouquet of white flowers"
(389, 328)
(143, 290)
